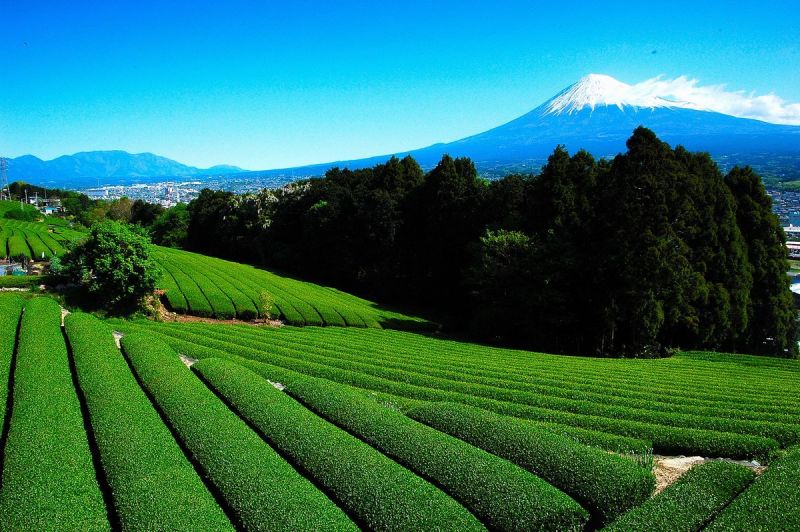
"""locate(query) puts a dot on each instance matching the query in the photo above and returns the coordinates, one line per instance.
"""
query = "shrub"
(498, 492)
(18, 246)
(605, 484)
(140, 457)
(772, 502)
(690, 502)
(49, 480)
(379, 492)
(261, 488)
(114, 264)
(10, 312)
(666, 439)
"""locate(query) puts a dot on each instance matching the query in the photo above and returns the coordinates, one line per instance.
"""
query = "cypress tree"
(772, 325)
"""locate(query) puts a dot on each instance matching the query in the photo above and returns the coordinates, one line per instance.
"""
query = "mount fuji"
(598, 113)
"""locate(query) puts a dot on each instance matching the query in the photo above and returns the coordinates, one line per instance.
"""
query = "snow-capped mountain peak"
(597, 90)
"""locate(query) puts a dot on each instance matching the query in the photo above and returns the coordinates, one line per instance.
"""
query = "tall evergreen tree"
(772, 316)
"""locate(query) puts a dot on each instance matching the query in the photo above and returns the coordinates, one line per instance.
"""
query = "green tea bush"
(10, 312)
(141, 459)
(264, 491)
(605, 484)
(772, 502)
(49, 480)
(498, 492)
(666, 439)
(689, 503)
(379, 492)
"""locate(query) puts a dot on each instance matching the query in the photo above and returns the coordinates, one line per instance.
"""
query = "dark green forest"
(654, 249)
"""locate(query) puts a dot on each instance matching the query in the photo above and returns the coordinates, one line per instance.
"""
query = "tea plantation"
(310, 428)
(209, 287)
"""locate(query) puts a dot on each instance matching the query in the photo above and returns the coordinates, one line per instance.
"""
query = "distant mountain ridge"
(597, 113)
(84, 167)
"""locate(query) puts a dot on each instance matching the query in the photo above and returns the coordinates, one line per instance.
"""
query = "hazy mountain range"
(597, 113)
(83, 168)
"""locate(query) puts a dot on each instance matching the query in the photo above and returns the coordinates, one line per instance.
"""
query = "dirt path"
(668, 469)
(166, 315)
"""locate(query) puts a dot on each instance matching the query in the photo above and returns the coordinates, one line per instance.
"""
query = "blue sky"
(266, 84)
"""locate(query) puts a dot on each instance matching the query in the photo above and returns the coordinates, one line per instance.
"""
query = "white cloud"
(689, 93)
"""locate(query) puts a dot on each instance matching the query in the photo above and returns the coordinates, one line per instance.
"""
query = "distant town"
(171, 192)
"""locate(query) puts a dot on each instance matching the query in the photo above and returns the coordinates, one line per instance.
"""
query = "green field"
(375, 429)
(33, 240)
(210, 287)
(214, 288)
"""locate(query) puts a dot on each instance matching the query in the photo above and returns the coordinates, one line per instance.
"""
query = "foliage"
(114, 264)
(140, 458)
(689, 503)
(144, 213)
(771, 314)
(169, 228)
(634, 256)
(263, 490)
(379, 492)
(731, 399)
(49, 480)
(10, 312)
(502, 495)
(604, 484)
(772, 502)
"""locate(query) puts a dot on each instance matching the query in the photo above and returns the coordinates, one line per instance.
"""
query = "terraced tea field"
(211, 287)
(214, 288)
(33, 240)
(345, 428)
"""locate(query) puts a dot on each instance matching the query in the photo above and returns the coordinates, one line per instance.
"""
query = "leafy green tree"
(444, 218)
(771, 313)
(170, 227)
(120, 210)
(144, 213)
(505, 283)
(114, 265)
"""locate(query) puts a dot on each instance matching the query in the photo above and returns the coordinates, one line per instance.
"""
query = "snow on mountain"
(598, 89)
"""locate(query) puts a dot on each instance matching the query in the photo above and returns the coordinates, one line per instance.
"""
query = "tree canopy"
(652, 249)
(114, 265)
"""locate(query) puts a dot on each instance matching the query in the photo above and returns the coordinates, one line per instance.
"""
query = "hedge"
(637, 450)
(23, 281)
(264, 491)
(17, 246)
(175, 298)
(689, 503)
(40, 250)
(784, 433)
(501, 494)
(10, 312)
(666, 439)
(197, 302)
(298, 302)
(772, 502)
(605, 484)
(648, 401)
(141, 459)
(221, 306)
(378, 492)
(49, 480)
